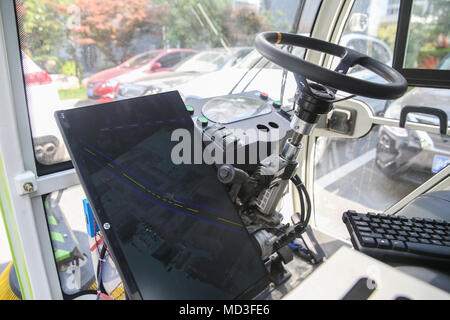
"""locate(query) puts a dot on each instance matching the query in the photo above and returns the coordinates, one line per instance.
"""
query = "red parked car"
(102, 86)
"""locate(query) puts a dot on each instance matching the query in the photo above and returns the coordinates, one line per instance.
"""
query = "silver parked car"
(410, 154)
(201, 63)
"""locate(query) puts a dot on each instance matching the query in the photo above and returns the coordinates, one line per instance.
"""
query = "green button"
(277, 104)
(203, 121)
(190, 109)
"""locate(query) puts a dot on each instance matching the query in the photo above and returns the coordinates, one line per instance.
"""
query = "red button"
(264, 95)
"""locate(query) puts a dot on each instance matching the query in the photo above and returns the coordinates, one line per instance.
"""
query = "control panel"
(249, 126)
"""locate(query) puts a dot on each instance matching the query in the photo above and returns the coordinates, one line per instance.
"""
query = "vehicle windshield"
(254, 60)
(140, 60)
(207, 61)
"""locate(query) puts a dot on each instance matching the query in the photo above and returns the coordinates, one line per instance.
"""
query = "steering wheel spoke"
(350, 60)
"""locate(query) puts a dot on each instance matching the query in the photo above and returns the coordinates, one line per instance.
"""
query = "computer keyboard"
(400, 239)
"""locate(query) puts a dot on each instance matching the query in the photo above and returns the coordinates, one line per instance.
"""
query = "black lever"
(443, 118)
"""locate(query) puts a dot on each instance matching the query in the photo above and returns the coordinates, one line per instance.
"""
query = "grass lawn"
(73, 93)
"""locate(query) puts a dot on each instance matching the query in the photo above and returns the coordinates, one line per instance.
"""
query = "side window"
(169, 60)
(69, 61)
(429, 35)
(374, 172)
(186, 54)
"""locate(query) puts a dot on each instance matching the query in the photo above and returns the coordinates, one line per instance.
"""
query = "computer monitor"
(171, 230)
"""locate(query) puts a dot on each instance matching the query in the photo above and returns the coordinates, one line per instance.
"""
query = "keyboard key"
(392, 232)
(403, 233)
(442, 233)
(412, 239)
(417, 219)
(374, 225)
(401, 238)
(368, 242)
(425, 236)
(446, 243)
(425, 241)
(429, 249)
(398, 245)
(414, 234)
(376, 220)
(419, 230)
(389, 237)
(370, 235)
(436, 242)
(379, 230)
(437, 237)
(398, 222)
(384, 243)
(396, 227)
(429, 226)
(364, 229)
(385, 226)
(428, 230)
(406, 228)
(361, 224)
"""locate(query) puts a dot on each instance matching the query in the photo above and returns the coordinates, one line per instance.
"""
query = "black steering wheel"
(397, 85)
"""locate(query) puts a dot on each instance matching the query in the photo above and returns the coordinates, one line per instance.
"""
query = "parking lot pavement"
(348, 178)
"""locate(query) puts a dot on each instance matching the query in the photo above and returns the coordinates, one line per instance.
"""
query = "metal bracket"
(342, 121)
(26, 183)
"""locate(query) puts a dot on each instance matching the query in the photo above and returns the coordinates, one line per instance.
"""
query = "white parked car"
(43, 100)
(269, 78)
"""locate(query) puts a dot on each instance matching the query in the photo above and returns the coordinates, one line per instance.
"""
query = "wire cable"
(304, 197)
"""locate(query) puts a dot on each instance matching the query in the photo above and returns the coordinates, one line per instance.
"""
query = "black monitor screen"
(171, 229)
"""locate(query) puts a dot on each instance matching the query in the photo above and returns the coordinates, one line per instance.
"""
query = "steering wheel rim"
(397, 85)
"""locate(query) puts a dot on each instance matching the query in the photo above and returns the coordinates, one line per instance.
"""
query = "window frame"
(415, 77)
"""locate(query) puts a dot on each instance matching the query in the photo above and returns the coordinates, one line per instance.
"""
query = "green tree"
(423, 35)
(42, 25)
(113, 24)
(194, 21)
(240, 25)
